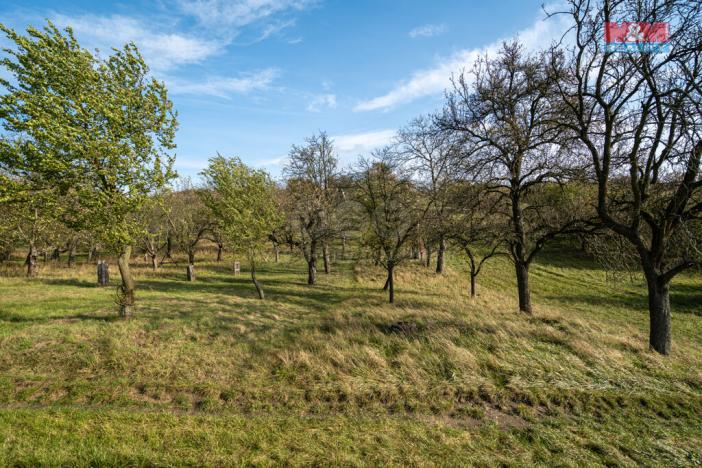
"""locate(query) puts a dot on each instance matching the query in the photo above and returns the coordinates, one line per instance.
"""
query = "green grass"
(205, 373)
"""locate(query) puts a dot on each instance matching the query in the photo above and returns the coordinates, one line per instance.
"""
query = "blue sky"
(252, 77)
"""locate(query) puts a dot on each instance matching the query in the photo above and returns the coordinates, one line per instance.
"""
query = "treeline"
(573, 140)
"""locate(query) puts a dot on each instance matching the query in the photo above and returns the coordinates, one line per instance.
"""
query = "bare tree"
(429, 155)
(638, 117)
(474, 226)
(503, 110)
(189, 220)
(312, 199)
(393, 211)
(154, 217)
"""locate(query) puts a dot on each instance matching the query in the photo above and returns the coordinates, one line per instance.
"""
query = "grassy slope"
(206, 373)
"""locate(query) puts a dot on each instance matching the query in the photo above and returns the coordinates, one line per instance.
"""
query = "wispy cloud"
(434, 80)
(237, 13)
(428, 30)
(321, 101)
(224, 87)
(274, 162)
(162, 51)
(351, 145)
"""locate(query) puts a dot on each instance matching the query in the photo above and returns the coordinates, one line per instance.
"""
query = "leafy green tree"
(99, 130)
(243, 201)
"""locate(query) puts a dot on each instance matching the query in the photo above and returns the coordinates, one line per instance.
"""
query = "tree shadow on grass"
(73, 282)
(19, 318)
(321, 297)
(684, 299)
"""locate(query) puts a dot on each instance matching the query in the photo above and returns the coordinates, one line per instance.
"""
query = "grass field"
(205, 373)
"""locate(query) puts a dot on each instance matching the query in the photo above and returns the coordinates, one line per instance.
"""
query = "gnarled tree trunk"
(312, 264)
(659, 314)
(126, 298)
(522, 271)
(220, 247)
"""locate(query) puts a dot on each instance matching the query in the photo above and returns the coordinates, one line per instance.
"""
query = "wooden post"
(103, 273)
(237, 268)
(191, 273)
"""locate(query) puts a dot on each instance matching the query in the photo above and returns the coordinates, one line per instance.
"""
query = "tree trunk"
(312, 264)
(522, 270)
(428, 256)
(31, 262)
(169, 247)
(659, 313)
(72, 255)
(391, 285)
(472, 284)
(219, 252)
(126, 300)
(92, 252)
(56, 254)
(440, 255)
(312, 271)
(259, 289)
(276, 251)
(154, 263)
(325, 255)
(191, 256)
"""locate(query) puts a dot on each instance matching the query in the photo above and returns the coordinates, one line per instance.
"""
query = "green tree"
(243, 201)
(97, 129)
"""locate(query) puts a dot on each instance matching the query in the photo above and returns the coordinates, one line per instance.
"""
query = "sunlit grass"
(207, 373)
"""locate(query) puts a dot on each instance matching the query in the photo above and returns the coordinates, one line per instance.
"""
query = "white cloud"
(275, 28)
(160, 50)
(223, 86)
(351, 145)
(428, 30)
(237, 13)
(320, 101)
(273, 162)
(433, 81)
